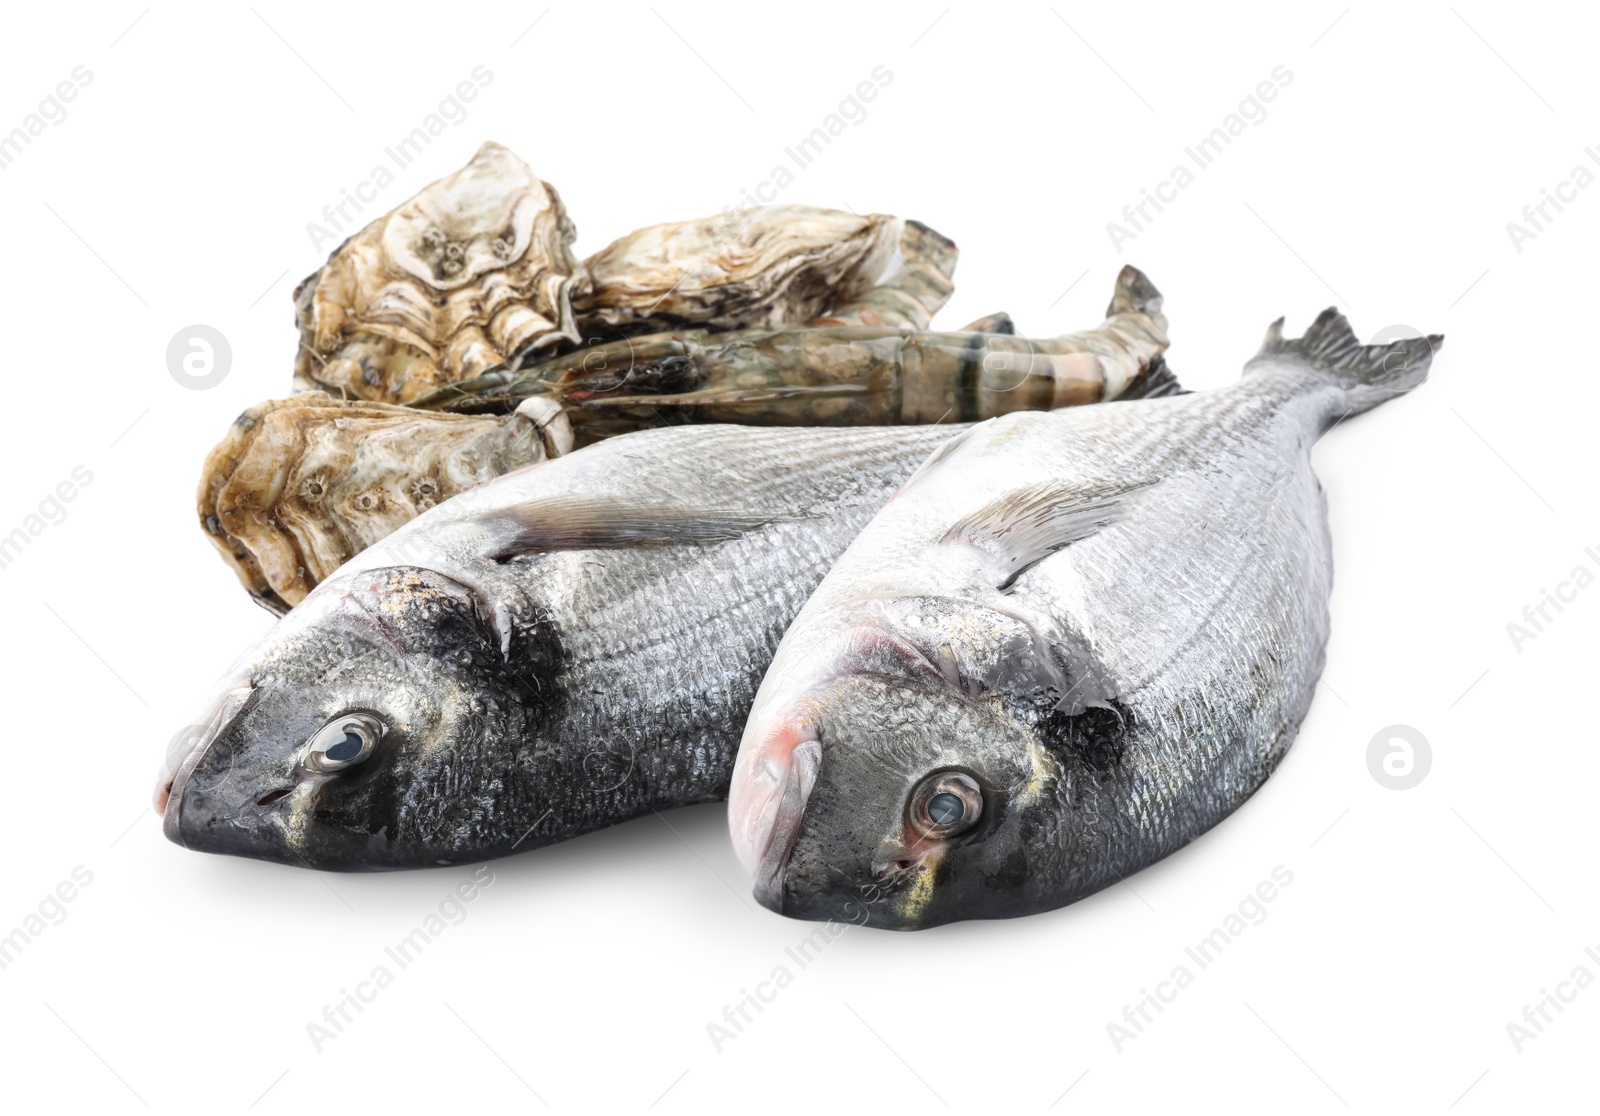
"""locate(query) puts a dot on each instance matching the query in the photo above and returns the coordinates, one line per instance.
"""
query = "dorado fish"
(571, 645)
(1073, 643)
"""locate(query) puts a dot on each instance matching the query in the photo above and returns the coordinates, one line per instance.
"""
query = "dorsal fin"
(595, 523)
(1024, 527)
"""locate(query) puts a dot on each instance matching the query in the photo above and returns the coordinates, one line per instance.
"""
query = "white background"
(1418, 924)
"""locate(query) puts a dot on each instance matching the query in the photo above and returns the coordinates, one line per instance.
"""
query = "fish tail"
(1369, 374)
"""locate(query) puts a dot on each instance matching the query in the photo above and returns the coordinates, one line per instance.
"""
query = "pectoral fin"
(1024, 527)
(591, 523)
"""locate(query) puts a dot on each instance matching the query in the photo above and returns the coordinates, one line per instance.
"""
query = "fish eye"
(344, 742)
(945, 808)
(945, 804)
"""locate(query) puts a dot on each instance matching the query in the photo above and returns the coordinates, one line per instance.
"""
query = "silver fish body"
(566, 647)
(602, 671)
(1074, 642)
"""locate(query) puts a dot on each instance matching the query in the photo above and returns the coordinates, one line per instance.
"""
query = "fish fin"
(594, 523)
(1155, 381)
(1135, 294)
(1024, 527)
(1370, 374)
(998, 322)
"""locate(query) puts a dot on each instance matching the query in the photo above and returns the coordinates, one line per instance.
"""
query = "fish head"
(365, 731)
(886, 776)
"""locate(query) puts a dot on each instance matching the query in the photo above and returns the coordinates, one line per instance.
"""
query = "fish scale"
(655, 653)
(1165, 568)
(566, 647)
(655, 700)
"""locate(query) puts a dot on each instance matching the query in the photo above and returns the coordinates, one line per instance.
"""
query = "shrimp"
(847, 374)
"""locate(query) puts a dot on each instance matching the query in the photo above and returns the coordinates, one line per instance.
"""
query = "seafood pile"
(468, 300)
(961, 624)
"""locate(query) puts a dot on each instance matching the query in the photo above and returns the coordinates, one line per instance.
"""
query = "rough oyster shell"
(473, 273)
(300, 485)
(758, 268)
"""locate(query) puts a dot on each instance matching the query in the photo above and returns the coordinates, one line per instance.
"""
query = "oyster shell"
(758, 268)
(473, 273)
(299, 485)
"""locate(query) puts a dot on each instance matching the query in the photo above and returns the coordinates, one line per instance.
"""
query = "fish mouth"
(190, 745)
(768, 806)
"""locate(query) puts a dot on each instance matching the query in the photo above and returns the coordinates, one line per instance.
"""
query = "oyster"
(299, 485)
(475, 272)
(758, 268)
(436, 354)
